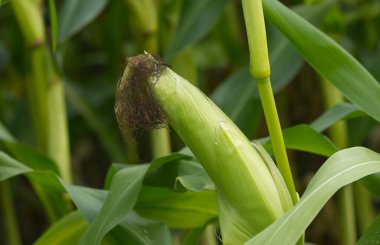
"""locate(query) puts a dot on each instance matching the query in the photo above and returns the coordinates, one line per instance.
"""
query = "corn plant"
(195, 160)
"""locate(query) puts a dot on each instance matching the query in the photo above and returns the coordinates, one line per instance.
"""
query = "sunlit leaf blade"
(196, 20)
(335, 114)
(122, 196)
(67, 230)
(76, 14)
(304, 138)
(340, 169)
(177, 209)
(327, 57)
(372, 234)
(9, 167)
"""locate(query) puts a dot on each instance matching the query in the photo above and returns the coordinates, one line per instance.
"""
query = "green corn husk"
(250, 196)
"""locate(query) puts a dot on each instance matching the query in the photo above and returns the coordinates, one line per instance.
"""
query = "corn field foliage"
(189, 122)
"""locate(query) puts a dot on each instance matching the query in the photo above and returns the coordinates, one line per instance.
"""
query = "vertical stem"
(346, 215)
(338, 134)
(37, 94)
(364, 209)
(45, 88)
(260, 70)
(160, 142)
(10, 221)
(208, 236)
(58, 147)
(275, 132)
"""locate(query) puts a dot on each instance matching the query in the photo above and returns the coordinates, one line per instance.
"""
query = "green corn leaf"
(196, 20)
(342, 168)
(5, 134)
(177, 209)
(67, 230)
(29, 156)
(179, 171)
(372, 235)
(238, 97)
(162, 172)
(335, 114)
(132, 229)
(372, 183)
(304, 138)
(45, 183)
(165, 173)
(193, 177)
(122, 196)
(87, 200)
(327, 57)
(24, 153)
(10, 167)
(360, 128)
(76, 14)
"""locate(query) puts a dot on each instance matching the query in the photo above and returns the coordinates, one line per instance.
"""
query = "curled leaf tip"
(135, 105)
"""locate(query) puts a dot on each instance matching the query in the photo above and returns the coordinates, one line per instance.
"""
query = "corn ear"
(248, 197)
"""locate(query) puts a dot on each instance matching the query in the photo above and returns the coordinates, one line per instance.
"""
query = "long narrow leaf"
(335, 114)
(197, 18)
(177, 209)
(343, 168)
(67, 230)
(372, 183)
(304, 138)
(238, 97)
(122, 196)
(327, 57)
(76, 14)
(9, 167)
(132, 228)
(372, 235)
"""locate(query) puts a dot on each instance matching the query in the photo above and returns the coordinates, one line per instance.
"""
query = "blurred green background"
(205, 42)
